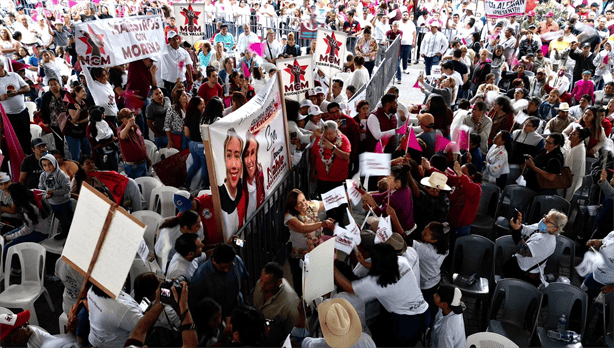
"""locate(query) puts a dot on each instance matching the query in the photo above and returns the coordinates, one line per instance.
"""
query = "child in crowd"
(582, 87)
(57, 187)
(448, 327)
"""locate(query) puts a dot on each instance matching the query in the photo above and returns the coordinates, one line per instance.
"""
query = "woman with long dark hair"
(194, 114)
(213, 111)
(392, 283)
(436, 106)
(502, 116)
(78, 118)
(591, 120)
(253, 176)
(174, 121)
(102, 135)
(53, 106)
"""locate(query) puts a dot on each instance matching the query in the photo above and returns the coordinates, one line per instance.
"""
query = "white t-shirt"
(104, 96)
(542, 245)
(365, 341)
(12, 82)
(72, 281)
(448, 331)
(408, 29)
(403, 297)
(252, 199)
(38, 338)
(171, 64)
(310, 126)
(165, 245)
(414, 262)
(179, 266)
(430, 264)
(112, 321)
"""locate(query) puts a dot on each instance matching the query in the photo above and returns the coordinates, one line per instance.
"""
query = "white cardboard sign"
(374, 164)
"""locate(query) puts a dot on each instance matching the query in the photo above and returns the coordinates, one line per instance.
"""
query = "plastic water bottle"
(562, 323)
(557, 335)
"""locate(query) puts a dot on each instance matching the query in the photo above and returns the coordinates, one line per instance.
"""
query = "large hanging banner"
(117, 41)
(330, 51)
(247, 157)
(505, 8)
(296, 76)
(190, 21)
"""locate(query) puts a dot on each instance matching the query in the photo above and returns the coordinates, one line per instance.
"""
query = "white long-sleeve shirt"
(374, 128)
(433, 44)
(245, 40)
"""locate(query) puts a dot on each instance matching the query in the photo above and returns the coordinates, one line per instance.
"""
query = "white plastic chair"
(62, 321)
(165, 153)
(162, 201)
(31, 106)
(32, 259)
(147, 184)
(153, 221)
(489, 339)
(5, 311)
(50, 244)
(152, 149)
(36, 131)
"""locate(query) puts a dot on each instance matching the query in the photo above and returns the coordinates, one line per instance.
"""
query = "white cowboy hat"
(436, 180)
(340, 323)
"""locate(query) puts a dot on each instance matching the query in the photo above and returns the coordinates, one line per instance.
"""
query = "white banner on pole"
(334, 198)
(330, 51)
(505, 8)
(296, 75)
(353, 192)
(190, 21)
(117, 41)
(384, 230)
(374, 164)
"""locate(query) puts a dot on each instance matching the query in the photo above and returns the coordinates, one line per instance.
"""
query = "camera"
(166, 292)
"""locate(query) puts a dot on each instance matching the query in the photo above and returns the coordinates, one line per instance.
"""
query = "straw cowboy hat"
(340, 323)
(436, 180)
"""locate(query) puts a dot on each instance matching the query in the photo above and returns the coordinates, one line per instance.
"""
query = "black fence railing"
(382, 75)
(265, 234)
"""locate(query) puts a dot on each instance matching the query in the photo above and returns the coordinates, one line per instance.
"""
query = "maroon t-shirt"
(139, 79)
(208, 93)
(133, 147)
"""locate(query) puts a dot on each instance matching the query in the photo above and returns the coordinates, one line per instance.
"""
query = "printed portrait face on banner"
(250, 155)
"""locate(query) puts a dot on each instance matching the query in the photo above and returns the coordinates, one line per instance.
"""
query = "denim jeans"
(33, 237)
(161, 142)
(198, 162)
(135, 170)
(64, 213)
(429, 62)
(405, 55)
(78, 146)
(462, 231)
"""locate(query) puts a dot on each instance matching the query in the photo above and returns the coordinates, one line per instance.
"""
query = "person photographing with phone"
(534, 245)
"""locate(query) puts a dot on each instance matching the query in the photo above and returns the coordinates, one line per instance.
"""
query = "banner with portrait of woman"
(247, 156)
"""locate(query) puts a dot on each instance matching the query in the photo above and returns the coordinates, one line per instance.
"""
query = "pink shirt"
(583, 87)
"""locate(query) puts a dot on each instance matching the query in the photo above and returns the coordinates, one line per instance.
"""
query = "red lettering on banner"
(142, 49)
(275, 169)
(97, 61)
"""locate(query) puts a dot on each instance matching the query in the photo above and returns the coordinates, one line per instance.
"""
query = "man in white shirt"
(111, 320)
(408, 39)
(272, 48)
(335, 95)
(381, 27)
(189, 254)
(365, 19)
(12, 90)
(175, 63)
(434, 45)
(479, 123)
(246, 38)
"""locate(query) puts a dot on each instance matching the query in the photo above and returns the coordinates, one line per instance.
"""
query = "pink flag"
(440, 143)
(452, 146)
(245, 69)
(606, 59)
(461, 137)
(55, 2)
(412, 141)
(71, 3)
(258, 48)
(34, 15)
(96, 1)
(379, 148)
(16, 154)
(403, 129)
(416, 85)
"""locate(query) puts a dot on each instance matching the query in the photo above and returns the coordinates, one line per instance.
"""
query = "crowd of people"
(525, 100)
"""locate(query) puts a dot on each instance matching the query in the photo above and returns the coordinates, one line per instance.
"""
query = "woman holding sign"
(396, 202)
(301, 217)
(232, 199)
(253, 185)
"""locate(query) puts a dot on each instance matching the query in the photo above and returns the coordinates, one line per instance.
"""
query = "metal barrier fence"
(382, 75)
(265, 234)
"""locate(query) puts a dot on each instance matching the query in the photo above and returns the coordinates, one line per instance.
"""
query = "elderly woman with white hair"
(330, 158)
(535, 244)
